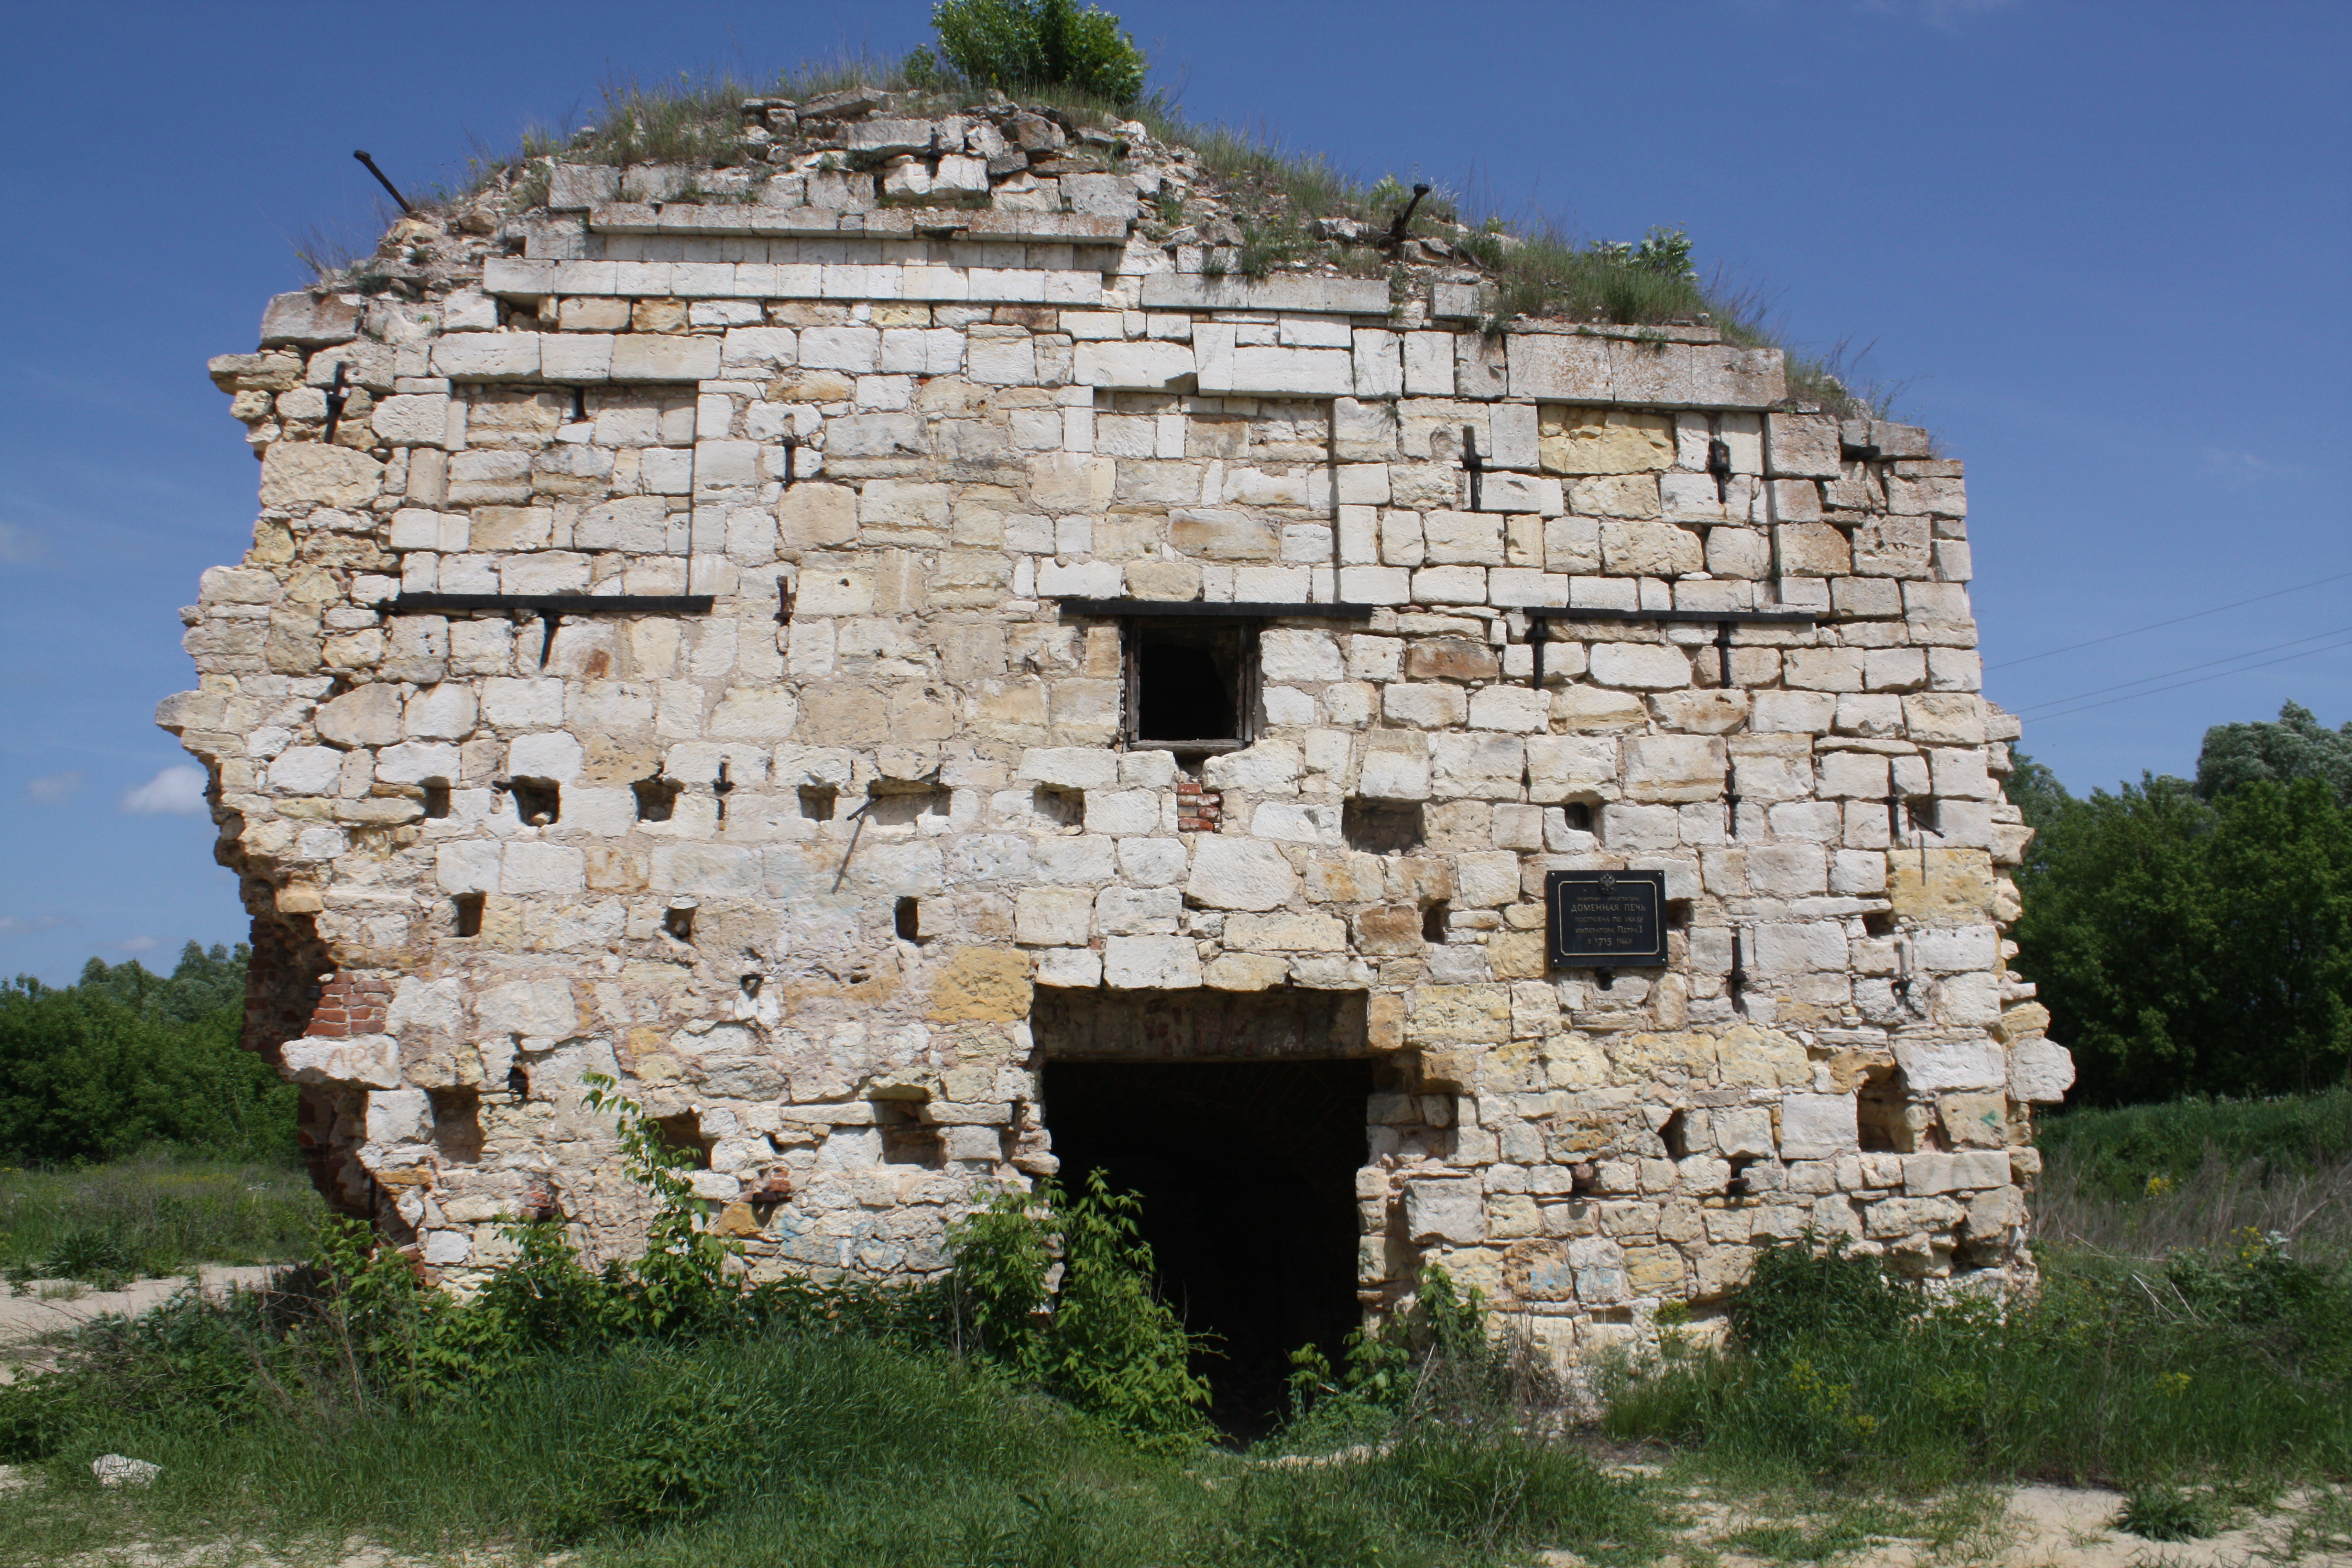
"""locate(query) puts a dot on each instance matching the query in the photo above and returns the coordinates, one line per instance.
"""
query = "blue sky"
(2103, 246)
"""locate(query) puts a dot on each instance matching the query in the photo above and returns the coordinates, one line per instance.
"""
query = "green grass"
(2118, 1150)
(2236, 1366)
(2145, 1182)
(107, 1225)
(794, 1448)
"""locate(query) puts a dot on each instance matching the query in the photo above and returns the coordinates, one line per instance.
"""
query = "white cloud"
(18, 925)
(177, 791)
(18, 544)
(136, 945)
(2235, 465)
(54, 789)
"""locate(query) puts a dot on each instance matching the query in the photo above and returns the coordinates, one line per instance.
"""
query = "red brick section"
(1198, 810)
(350, 1005)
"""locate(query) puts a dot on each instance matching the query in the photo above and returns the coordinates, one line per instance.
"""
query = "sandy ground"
(2040, 1527)
(52, 1306)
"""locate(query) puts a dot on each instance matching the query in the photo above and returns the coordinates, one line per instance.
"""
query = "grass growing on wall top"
(1278, 197)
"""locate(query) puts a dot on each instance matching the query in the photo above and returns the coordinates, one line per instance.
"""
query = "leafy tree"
(2294, 746)
(1013, 44)
(2190, 941)
(127, 1058)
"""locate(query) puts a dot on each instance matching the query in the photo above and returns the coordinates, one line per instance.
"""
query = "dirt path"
(2024, 1527)
(49, 1306)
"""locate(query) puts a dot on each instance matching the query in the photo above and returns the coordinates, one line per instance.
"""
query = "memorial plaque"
(1607, 919)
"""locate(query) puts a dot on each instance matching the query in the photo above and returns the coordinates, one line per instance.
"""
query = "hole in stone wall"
(1923, 815)
(518, 1082)
(1674, 1134)
(1060, 806)
(537, 802)
(1740, 1166)
(684, 1131)
(906, 1138)
(1879, 924)
(1382, 827)
(907, 807)
(457, 1123)
(1434, 921)
(1882, 1105)
(436, 798)
(465, 912)
(656, 797)
(679, 922)
(1189, 683)
(1578, 815)
(818, 802)
(908, 917)
(1248, 1174)
(1678, 914)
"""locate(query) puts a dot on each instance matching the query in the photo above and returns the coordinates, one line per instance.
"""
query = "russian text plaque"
(1606, 920)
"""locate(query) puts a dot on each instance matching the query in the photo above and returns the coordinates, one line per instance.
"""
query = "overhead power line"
(2155, 625)
(2283, 659)
(2184, 670)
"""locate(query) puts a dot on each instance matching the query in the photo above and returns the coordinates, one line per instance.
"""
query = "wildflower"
(2159, 1186)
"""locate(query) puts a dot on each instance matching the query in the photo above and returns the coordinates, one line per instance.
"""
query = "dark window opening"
(1678, 914)
(1579, 815)
(1921, 810)
(656, 798)
(684, 1132)
(1741, 1187)
(518, 1082)
(908, 918)
(538, 802)
(679, 922)
(906, 1138)
(436, 798)
(1382, 827)
(1674, 1134)
(467, 910)
(1247, 1173)
(1191, 687)
(1434, 921)
(819, 801)
(457, 1125)
(1882, 1113)
(1878, 923)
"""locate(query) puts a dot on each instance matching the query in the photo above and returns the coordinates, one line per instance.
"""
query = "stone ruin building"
(897, 652)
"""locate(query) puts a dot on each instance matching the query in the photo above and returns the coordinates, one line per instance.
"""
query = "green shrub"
(1104, 1340)
(1796, 1295)
(1009, 45)
(2228, 1364)
(126, 1059)
(2169, 1513)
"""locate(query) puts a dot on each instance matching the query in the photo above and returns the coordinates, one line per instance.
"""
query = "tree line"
(2194, 936)
(126, 1060)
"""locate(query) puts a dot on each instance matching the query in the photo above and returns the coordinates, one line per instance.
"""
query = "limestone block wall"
(803, 864)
